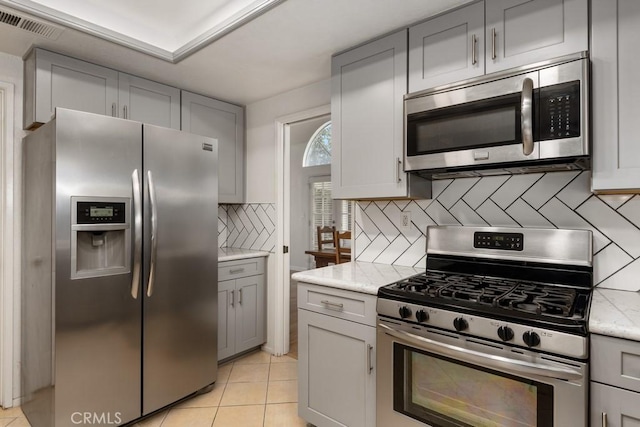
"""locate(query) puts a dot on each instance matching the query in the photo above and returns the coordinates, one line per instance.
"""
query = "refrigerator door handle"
(137, 233)
(154, 234)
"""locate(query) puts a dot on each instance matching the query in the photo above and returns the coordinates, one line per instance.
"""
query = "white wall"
(11, 172)
(300, 240)
(261, 136)
(261, 161)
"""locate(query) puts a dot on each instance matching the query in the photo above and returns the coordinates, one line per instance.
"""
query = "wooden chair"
(326, 236)
(340, 248)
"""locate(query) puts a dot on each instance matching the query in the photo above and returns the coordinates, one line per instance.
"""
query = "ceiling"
(288, 45)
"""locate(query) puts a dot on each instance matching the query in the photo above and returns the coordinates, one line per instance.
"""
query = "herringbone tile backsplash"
(249, 226)
(543, 200)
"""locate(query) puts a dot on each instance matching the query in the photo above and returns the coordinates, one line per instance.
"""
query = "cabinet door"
(447, 49)
(226, 319)
(225, 122)
(336, 379)
(521, 32)
(619, 407)
(250, 313)
(66, 82)
(367, 88)
(615, 90)
(148, 102)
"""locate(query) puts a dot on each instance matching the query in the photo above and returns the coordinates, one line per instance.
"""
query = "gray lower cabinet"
(615, 29)
(614, 407)
(336, 357)
(615, 382)
(53, 80)
(225, 122)
(241, 306)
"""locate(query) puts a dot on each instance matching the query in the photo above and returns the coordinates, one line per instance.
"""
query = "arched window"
(318, 151)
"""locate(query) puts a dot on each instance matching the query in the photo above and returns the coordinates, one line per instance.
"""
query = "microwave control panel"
(502, 241)
(560, 111)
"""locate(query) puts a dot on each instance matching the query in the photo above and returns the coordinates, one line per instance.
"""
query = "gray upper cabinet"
(615, 91)
(446, 49)
(225, 122)
(521, 32)
(491, 36)
(148, 102)
(53, 80)
(367, 88)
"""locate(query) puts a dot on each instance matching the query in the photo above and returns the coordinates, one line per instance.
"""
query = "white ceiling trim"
(227, 25)
(237, 20)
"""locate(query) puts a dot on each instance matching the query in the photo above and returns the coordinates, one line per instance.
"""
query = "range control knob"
(422, 316)
(460, 324)
(531, 339)
(505, 333)
(404, 312)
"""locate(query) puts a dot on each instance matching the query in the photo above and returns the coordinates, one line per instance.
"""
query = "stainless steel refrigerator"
(119, 293)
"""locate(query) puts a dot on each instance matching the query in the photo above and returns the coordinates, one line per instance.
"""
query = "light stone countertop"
(232, 254)
(615, 313)
(365, 277)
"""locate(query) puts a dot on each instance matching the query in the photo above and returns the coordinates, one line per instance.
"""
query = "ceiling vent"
(34, 26)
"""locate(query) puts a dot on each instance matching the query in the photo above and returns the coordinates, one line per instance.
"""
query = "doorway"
(309, 164)
(8, 248)
(289, 181)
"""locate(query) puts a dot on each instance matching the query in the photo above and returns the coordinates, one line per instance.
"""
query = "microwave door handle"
(526, 111)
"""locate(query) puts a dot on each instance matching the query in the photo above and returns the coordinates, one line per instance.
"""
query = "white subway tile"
(613, 225)
(527, 216)
(577, 191)
(608, 261)
(563, 217)
(513, 188)
(546, 187)
(483, 189)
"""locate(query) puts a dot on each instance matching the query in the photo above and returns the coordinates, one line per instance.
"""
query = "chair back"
(326, 237)
(341, 238)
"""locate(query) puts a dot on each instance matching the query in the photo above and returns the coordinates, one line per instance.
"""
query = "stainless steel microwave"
(533, 118)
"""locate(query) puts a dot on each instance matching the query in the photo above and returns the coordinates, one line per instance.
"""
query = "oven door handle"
(488, 360)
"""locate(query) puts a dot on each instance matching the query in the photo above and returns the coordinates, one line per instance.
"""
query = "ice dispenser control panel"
(100, 236)
(100, 213)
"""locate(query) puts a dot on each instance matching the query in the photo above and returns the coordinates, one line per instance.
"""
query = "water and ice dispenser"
(100, 236)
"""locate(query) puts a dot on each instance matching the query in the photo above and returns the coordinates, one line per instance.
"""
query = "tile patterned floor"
(257, 390)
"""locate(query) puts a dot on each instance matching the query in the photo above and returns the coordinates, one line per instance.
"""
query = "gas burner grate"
(540, 299)
(502, 293)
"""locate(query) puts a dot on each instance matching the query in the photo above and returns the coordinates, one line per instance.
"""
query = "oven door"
(433, 378)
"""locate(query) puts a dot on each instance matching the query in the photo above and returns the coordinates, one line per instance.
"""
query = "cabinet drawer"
(241, 268)
(615, 361)
(354, 306)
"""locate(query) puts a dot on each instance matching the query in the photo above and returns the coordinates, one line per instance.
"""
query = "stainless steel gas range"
(494, 333)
